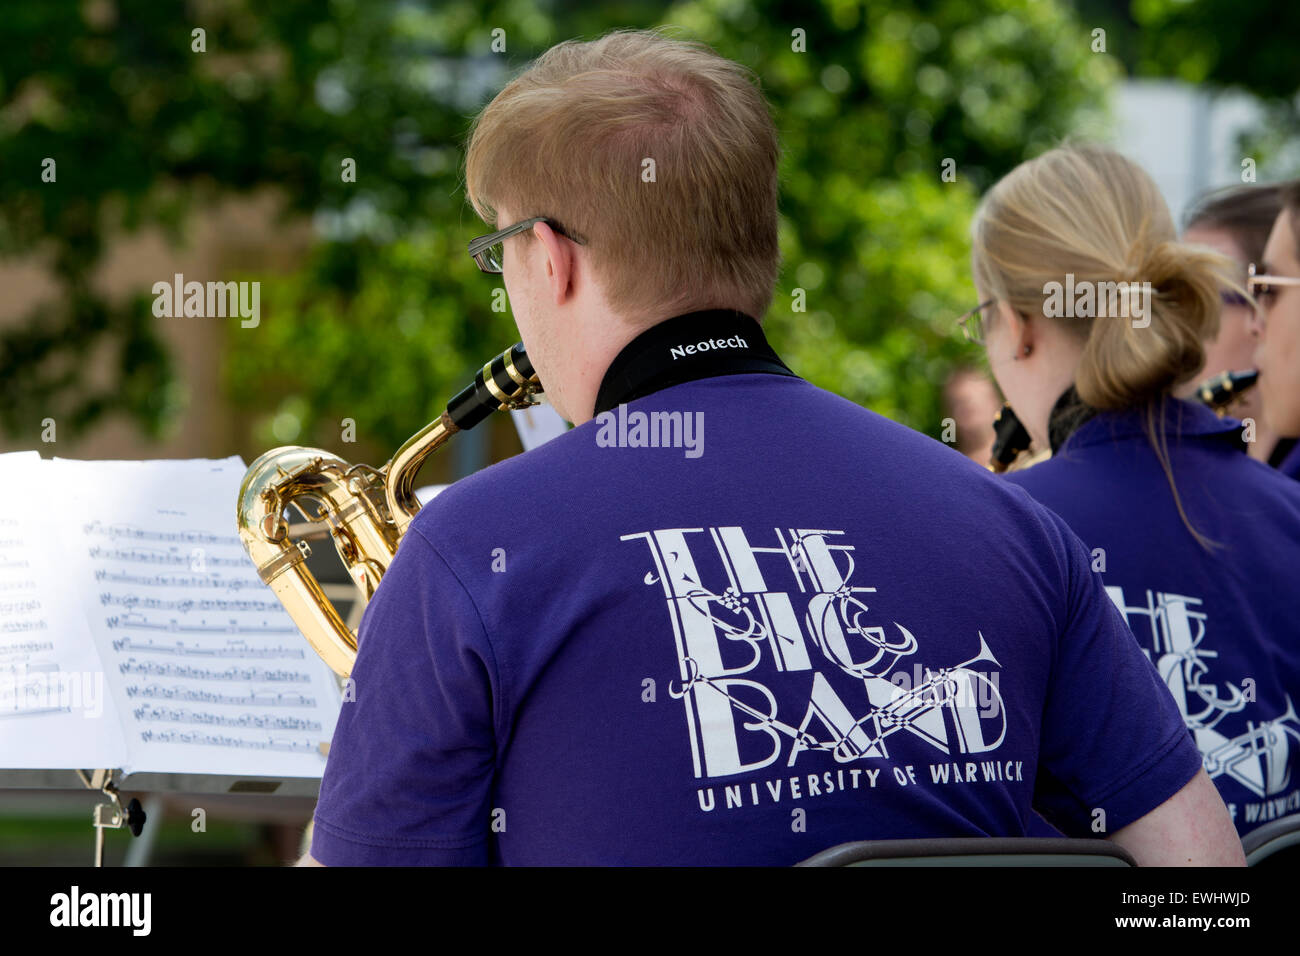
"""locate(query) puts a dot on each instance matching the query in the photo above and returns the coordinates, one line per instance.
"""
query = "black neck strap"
(1066, 416)
(685, 348)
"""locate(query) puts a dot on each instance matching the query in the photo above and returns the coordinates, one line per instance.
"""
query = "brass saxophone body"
(366, 510)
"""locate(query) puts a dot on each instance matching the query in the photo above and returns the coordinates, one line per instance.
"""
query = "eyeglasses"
(489, 251)
(1261, 286)
(971, 322)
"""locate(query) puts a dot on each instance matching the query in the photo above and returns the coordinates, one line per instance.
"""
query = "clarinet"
(1009, 441)
(1225, 388)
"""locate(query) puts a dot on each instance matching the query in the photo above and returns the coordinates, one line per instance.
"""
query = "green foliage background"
(388, 316)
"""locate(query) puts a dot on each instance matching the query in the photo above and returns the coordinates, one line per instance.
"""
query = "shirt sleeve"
(409, 775)
(1113, 739)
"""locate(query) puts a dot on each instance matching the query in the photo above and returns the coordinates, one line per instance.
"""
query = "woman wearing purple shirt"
(1094, 316)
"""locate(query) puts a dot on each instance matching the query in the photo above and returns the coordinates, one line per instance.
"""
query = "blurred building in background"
(239, 234)
(1189, 139)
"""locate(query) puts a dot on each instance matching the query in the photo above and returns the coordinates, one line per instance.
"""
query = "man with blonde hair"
(729, 618)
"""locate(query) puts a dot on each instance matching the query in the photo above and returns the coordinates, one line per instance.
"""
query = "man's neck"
(591, 364)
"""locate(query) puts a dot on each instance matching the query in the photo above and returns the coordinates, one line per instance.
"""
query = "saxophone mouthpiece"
(505, 383)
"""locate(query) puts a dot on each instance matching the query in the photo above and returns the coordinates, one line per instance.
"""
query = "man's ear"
(559, 262)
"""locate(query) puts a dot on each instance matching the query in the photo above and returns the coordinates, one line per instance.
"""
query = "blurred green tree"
(883, 99)
(1216, 45)
(388, 315)
(1229, 44)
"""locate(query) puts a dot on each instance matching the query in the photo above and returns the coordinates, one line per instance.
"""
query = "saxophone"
(366, 510)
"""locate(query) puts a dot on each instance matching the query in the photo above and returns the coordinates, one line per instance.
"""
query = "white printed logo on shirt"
(726, 628)
(1171, 629)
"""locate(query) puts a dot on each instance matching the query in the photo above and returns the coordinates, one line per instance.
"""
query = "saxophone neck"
(507, 382)
(365, 510)
(402, 468)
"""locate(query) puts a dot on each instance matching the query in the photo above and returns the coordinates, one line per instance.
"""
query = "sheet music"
(538, 424)
(208, 671)
(427, 493)
(55, 709)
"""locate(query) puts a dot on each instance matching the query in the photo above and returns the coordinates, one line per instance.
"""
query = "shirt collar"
(1180, 418)
(685, 348)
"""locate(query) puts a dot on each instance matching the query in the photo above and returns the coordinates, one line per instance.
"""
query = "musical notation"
(255, 674)
(22, 627)
(188, 581)
(131, 601)
(26, 689)
(138, 576)
(172, 556)
(198, 695)
(173, 625)
(28, 647)
(40, 663)
(135, 533)
(183, 715)
(19, 607)
(221, 740)
(236, 649)
(20, 711)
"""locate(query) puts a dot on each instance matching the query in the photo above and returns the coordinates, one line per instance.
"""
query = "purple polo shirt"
(1290, 465)
(796, 625)
(1220, 626)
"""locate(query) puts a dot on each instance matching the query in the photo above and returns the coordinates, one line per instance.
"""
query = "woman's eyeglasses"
(971, 322)
(1264, 287)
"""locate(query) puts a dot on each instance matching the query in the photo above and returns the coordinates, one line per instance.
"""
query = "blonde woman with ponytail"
(1096, 315)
